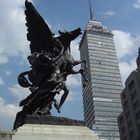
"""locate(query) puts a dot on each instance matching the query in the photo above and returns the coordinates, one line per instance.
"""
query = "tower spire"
(90, 11)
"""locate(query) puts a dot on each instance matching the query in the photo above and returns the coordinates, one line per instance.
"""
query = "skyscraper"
(129, 119)
(101, 95)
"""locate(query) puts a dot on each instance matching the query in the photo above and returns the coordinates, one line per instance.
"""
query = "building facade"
(129, 119)
(101, 95)
(6, 135)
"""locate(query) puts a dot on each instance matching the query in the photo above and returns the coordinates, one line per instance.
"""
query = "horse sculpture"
(51, 62)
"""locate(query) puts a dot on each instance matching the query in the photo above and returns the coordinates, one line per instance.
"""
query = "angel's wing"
(39, 34)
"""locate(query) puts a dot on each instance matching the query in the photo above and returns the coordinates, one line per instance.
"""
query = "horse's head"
(70, 35)
(66, 37)
(75, 33)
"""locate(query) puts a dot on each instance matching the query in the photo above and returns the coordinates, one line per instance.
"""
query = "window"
(123, 130)
(138, 114)
(123, 95)
(136, 104)
(3, 135)
(130, 124)
(131, 134)
(125, 104)
(127, 114)
(121, 120)
(133, 95)
(124, 137)
(131, 86)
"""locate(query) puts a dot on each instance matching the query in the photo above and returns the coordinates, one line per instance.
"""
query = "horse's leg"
(77, 62)
(63, 98)
(82, 71)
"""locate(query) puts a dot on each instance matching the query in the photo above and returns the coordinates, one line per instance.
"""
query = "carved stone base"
(47, 119)
(53, 132)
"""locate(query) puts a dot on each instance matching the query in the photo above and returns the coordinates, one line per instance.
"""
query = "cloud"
(1, 82)
(124, 43)
(18, 92)
(8, 72)
(72, 96)
(127, 50)
(12, 30)
(137, 4)
(3, 57)
(108, 14)
(75, 49)
(7, 114)
(126, 68)
(73, 81)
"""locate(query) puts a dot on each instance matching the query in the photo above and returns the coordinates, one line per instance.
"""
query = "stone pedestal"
(53, 132)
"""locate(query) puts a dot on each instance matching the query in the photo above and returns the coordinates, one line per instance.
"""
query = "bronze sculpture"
(51, 62)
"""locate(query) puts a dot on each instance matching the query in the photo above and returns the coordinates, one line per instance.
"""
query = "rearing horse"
(65, 39)
(67, 61)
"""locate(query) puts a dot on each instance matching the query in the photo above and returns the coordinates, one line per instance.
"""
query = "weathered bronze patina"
(51, 62)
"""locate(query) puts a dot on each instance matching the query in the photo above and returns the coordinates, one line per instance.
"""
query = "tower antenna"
(90, 11)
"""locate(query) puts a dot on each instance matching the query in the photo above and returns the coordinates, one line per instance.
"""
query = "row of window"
(91, 48)
(115, 135)
(95, 47)
(107, 104)
(104, 45)
(113, 123)
(106, 123)
(106, 119)
(107, 82)
(105, 63)
(107, 109)
(99, 99)
(114, 127)
(100, 90)
(102, 128)
(104, 74)
(105, 67)
(96, 55)
(101, 31)
(103, 59)
(99, 38)
(106, 114)
(106, 95)
(113, 79)
(107, 86)
(100, 42)
(108, 71)
(104, 54)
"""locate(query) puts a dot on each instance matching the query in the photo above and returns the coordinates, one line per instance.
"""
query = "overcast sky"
(120, 16)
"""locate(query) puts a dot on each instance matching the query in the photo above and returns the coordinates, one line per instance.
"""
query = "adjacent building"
(129, 119)
(6, 135)
(101, 95)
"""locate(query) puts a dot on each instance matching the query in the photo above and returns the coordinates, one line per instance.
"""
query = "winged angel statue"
(51, 62)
